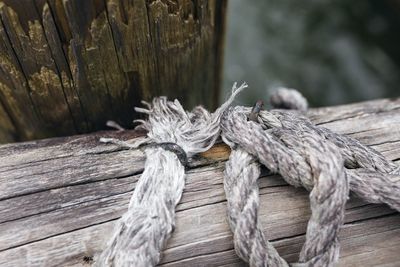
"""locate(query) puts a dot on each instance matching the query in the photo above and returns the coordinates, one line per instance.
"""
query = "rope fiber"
(174, 135)
(285, 141)
(305, 155)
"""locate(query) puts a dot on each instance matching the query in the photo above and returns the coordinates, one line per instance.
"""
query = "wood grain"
(61, 198)
(67, 67)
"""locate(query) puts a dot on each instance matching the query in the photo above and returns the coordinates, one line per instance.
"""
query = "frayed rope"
(286, 142)
(145, 227)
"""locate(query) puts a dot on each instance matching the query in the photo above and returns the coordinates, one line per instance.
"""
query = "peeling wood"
(61, 198)
(37, 66)
(67, 67)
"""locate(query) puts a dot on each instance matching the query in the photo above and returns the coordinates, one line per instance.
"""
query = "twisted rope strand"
(376, 187)
(376, 179)
(265, 146)
(241, 189)
(312, 164)
(327, 200)
(305, 155)
(356, 154)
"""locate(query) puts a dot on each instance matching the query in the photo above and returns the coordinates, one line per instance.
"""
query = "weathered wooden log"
(67, 67)
(61, 197)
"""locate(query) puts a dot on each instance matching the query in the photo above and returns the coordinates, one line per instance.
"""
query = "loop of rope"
(284, 141)
(305, 155)
(374, 178)
(315, 165)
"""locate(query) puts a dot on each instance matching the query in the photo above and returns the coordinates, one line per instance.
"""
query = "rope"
(374, 178)
(305, 155)
(286, 142)
(240, 184)
(356, 155)
(288, 99)
(144, 228)
(321, 165)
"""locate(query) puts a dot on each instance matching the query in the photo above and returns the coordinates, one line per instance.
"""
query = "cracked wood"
(67, 67)
(62, 196)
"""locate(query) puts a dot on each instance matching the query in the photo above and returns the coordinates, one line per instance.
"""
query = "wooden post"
(60, 199)
(67, 67)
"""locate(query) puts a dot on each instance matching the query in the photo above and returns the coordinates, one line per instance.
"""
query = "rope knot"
(286, 142)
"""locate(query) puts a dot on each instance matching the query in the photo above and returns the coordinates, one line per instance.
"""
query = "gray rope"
(145, 227)
(305, 155)
(316, 166)
(285, 98)
(240, 184)
(375, 179)
(376, 187)
(286, 142)
(356, 155)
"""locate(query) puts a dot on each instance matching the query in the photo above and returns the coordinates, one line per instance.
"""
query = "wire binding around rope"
(174, 148)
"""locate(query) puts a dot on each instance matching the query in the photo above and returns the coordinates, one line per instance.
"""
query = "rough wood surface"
(61, 197)
(67, 67)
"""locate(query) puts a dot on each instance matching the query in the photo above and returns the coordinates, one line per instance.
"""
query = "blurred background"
(334, 52)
